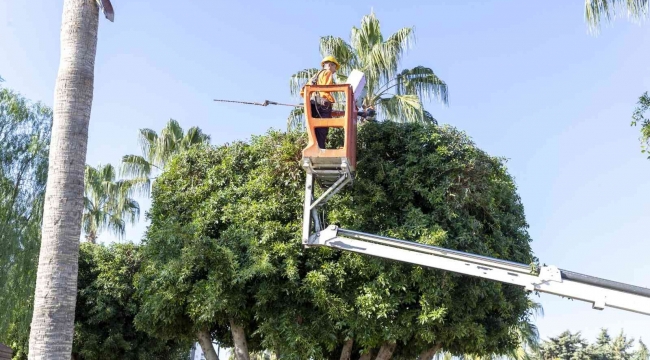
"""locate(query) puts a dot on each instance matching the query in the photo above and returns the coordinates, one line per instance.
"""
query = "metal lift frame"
(338, 172)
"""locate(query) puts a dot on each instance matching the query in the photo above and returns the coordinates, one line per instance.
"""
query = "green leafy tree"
(25, 129)
(621, 347)
(572, 346)
(107, 203)
(106, 307)
(188, 286)
(157, 150)
(396, 94)
(240, 205)
(566, 346)
(642, 352)
(602, 349)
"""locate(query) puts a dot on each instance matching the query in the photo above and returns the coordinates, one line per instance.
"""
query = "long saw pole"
(265, 103)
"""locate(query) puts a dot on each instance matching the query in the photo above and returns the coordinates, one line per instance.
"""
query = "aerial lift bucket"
(332, 168)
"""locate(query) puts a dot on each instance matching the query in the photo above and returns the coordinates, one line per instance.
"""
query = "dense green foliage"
(572, 346)
(224, 242)
(106, 307)
(24, 143)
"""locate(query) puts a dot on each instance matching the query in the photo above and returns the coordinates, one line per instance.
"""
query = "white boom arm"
(550, 280)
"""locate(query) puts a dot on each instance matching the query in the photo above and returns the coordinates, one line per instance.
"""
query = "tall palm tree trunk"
(56, 282)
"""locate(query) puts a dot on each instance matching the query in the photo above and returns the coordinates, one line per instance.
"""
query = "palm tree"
(528, 334)
(157, 150)
(56, 280)
(596, 9)
(107, 205)
(396, 95)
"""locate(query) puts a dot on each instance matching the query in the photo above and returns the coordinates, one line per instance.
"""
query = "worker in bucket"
(322, 101)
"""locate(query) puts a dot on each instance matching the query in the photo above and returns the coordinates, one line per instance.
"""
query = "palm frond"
(397, 45)
(107, 8)
(403, 39)
(296, 119)
(147, 141)
(401, 108)
(135, 166)
(597, 9)
(173, 129)
(341, 50)
(299, 79)
(428, 118)
(107, 203)
(115, 225)
(366, 36)
(194, 136)
(106, 172)
(168, 142)
(423, 82)
(139, 186)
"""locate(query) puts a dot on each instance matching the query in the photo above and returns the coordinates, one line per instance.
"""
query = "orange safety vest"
(323, 77)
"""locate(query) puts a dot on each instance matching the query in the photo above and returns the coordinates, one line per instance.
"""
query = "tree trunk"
(91, 237)
(366, 356)
(346, 353)
(205, 340)
(56, 280)
(386, 351)
(239, 339)
(429, 353)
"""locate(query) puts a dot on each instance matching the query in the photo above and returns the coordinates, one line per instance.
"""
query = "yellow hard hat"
(330, 59)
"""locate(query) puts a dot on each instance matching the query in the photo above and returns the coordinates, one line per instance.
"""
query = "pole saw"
(364, 114)
(265, 103)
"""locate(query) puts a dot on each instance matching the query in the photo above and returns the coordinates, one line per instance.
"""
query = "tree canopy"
(225, 245)
(572, 346)
(24, 145)
(106, 306)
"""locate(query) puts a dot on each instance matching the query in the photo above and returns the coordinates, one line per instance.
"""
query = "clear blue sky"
(526, 82)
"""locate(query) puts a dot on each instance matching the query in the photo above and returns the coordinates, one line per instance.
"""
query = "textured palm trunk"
(239, 338)
(56, 280)
(205, 340)
(346, 353)
(386, 351)
(429, 353)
